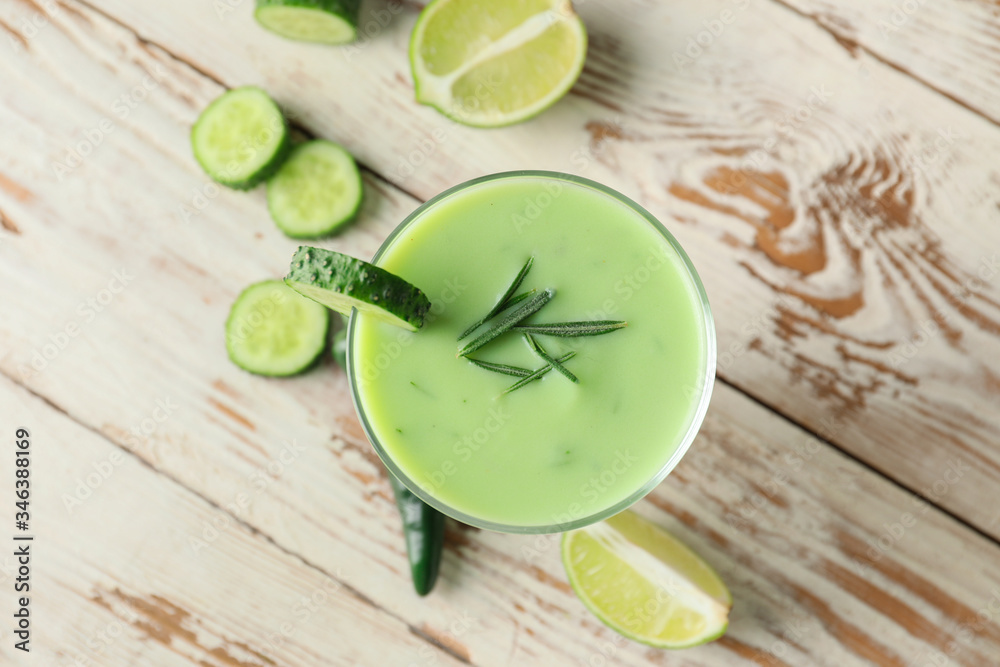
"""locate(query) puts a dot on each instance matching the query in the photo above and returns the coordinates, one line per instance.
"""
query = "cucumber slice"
(343, 283)
(241, 138)
(272, 330)
(322, 21)
(316, 192)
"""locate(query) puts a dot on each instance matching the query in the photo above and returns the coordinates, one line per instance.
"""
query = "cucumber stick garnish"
(322, 21)
(316, 191)
(343, 283)
(271, 330)
(241, 138)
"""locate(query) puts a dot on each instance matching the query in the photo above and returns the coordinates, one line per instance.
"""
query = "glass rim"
(708, 381)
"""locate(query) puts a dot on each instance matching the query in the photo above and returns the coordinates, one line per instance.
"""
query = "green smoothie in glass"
(554, 454)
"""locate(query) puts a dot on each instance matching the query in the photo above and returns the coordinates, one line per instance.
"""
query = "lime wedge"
(645, 584)
(487, 64)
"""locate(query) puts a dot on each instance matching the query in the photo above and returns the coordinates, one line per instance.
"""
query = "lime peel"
(531, 84)
(645, 584)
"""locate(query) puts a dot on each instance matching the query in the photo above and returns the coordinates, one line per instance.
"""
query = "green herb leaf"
(501, 368)
(537, 374)
(505, 301)
(518, 299)
(567, 329)
(537, 349)
(530, 307)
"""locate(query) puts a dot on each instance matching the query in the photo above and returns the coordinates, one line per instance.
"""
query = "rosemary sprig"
(505, 301)
(567, 329)
(518, 299)
(537, 349)
(530, 307)
(537, 374)
(501, 368)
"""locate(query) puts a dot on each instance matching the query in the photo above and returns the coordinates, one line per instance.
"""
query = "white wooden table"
(834, 168)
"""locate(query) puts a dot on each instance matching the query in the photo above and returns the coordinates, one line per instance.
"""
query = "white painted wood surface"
(829, 242)
(818, 286)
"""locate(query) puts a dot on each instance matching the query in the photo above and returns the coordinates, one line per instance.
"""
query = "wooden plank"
(841, 214)
(115, 580)
(949, 44)
(786, 519)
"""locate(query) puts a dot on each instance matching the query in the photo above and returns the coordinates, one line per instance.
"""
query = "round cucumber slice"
(343, 283)
(272, 330)
(241, 138)
(316, 192)
(322, 21)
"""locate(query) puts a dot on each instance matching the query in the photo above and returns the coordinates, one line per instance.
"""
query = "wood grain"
(951, 45)
(116, 580)
(841, 213)
(805, 536)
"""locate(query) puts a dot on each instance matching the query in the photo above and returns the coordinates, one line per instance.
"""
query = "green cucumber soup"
(553, 454)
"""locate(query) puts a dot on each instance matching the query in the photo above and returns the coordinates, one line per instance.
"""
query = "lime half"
(645, 584)
(487, 63)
